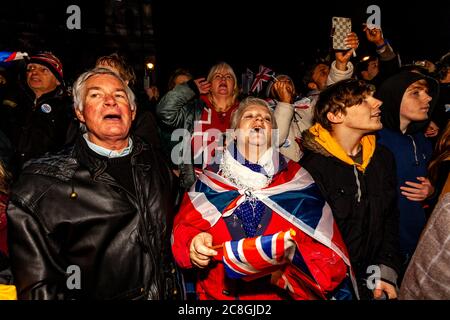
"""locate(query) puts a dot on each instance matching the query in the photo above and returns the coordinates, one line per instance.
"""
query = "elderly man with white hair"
(91, 222)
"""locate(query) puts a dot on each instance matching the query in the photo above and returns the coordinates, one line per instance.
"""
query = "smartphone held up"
(340, 29)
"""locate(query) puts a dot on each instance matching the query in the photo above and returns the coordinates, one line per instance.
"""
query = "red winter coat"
(328, 268)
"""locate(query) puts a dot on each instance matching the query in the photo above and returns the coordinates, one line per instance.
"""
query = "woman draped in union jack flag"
(255, 225)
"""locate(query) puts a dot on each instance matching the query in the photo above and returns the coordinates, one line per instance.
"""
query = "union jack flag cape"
(6, 56)
(294, 197)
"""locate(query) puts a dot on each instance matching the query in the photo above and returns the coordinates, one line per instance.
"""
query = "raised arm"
(174, 105)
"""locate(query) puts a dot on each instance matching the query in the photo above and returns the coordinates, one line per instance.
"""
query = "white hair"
(79, 87)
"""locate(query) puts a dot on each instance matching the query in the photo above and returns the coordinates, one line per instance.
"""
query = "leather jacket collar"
(96, 164)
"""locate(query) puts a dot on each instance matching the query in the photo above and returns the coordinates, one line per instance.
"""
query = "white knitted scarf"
(243, 177)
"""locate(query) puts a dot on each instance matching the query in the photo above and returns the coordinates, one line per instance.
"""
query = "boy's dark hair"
(308, 75)
(120, 63)
(442, 66)
(339, 96)
(363, 65)
(319, 57)
(175, 74)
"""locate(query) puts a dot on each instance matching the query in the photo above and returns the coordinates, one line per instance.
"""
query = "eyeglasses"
(219, 76)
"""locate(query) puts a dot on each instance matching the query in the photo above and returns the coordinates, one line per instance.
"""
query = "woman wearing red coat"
(253, 191)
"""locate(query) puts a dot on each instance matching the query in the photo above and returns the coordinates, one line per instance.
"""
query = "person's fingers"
(200, 263)
(414, 184)
(415, 195)
(378, 293)
(201, 247)
(202, 258)
(418, 195)
(414, 192)
(352, 43)
(417, 198)
(348, 55)
(199, 260)
(204, 250)
(392, 294)
(411, 190)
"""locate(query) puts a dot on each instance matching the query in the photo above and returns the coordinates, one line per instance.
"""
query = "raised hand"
(432, 130)
(202, 85)
(385, 287)
(343, 57)
(284, 90)
(374, 35)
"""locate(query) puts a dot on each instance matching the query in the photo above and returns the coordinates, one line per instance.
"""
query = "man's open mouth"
(112, 117)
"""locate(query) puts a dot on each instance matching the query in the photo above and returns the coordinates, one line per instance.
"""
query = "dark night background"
(281, 34)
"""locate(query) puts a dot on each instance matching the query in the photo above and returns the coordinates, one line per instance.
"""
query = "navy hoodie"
(412, 151)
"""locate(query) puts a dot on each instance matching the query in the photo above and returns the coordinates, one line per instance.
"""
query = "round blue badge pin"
(46, 108)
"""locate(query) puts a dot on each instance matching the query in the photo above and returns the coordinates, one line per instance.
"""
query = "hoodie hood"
(319, 140)
(391, 94)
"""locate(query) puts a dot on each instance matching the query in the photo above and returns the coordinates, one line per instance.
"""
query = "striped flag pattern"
(293, 196)
(252, 256)
(7, 56)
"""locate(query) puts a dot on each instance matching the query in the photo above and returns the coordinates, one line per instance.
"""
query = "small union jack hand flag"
(258, 256)
(264, 75)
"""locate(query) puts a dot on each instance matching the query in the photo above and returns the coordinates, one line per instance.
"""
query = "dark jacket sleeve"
(36, 272)
(173, 108)
(173, 288)
(145, 127)
(389, 255)
(389, 65)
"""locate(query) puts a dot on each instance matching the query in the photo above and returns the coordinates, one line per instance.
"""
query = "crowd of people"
(207, 192)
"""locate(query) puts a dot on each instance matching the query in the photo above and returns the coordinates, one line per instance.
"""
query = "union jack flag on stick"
(264, 75)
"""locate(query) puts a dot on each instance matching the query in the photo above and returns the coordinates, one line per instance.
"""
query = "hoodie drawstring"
(415, 149)
(357, 182)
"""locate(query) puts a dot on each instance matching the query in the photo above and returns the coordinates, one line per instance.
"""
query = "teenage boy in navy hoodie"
(408, 101)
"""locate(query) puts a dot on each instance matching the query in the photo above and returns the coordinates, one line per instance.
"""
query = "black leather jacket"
(119, 241)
